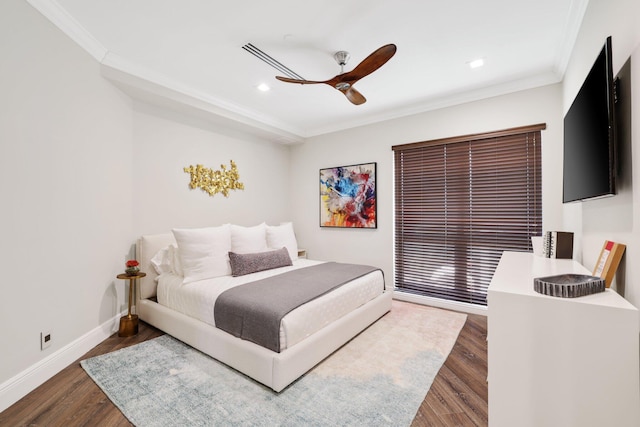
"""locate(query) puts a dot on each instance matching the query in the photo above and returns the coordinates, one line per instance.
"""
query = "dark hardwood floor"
(458, 396)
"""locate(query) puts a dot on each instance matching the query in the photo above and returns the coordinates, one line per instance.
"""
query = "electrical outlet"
(45, 339)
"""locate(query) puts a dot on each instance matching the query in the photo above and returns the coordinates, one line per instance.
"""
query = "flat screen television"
(589, 164)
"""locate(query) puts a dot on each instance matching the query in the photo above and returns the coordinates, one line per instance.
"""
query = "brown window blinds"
(460, 202)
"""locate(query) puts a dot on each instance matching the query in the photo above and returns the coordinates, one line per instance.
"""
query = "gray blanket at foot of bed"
(254, 311)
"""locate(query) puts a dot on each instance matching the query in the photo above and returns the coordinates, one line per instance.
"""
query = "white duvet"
(197, 299)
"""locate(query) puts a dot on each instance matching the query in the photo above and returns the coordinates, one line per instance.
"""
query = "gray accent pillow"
(242, 264)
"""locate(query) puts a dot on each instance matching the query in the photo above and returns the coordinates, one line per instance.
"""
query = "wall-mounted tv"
(589, 165)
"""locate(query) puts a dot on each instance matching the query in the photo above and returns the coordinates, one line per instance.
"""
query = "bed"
(160, 303)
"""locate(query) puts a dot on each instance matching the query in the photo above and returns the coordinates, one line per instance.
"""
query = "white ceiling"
(190, 51)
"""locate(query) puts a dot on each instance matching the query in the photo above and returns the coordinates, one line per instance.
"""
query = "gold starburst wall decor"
(215, 181)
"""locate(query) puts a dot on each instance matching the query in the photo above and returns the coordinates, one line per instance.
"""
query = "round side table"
(129, 323)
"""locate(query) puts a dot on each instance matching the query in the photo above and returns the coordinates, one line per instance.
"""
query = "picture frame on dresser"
(608, 261)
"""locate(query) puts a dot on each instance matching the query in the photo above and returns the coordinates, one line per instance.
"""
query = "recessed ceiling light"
(476, 63)
(263, 87)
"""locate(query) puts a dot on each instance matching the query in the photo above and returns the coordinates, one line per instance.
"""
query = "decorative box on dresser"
(559, 361)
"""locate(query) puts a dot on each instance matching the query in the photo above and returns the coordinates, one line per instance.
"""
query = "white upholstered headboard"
(146, 247)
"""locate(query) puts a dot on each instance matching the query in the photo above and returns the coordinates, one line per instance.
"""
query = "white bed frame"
(275, 370)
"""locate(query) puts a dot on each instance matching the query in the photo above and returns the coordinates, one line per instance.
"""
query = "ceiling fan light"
(263, 87)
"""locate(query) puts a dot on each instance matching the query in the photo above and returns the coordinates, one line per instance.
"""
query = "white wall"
(65, 183)
(373, 144)
(166, 142)
(614, 218)
(84, 171)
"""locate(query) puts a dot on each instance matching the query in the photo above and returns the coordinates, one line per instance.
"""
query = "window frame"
(448, 256)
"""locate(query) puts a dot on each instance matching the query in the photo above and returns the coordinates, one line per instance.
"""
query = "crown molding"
(149, 86)
(444, 101)
(145, 84)
(577, 10)
(51, 10)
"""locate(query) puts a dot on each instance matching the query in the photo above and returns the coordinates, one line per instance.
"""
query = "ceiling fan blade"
(344, 82)
(354, 96)
(301, 82)
(370, 64)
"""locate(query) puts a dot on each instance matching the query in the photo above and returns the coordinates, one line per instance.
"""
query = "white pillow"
(246, 240)
(283, 235)
(204, 252)
(167, 260)
(162, 261)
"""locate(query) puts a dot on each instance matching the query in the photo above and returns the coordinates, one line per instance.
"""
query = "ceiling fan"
(344, 81)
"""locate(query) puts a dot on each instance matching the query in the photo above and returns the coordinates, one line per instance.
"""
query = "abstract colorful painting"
(348, 196)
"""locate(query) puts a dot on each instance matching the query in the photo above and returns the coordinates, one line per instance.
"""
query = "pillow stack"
(205, 253)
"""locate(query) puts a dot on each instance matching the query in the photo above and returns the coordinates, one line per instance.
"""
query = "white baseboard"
(28, 380)
(440, 303)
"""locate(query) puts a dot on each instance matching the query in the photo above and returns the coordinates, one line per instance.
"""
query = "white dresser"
(559, 361)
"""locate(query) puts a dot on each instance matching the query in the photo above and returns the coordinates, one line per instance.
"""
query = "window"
(459, 203)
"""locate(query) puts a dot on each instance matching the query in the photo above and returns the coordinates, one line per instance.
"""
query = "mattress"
(197, 299)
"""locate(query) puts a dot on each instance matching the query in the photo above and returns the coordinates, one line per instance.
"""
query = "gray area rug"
(379, 378)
